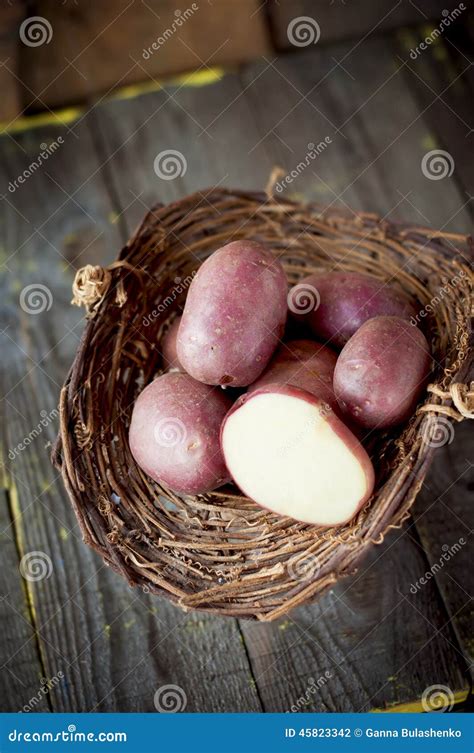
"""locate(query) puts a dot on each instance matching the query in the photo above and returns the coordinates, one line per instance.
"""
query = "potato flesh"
(285, 455)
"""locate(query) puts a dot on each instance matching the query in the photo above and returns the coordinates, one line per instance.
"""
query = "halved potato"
(289, 452)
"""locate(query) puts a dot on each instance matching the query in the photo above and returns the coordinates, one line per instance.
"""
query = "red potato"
(168, 347)
(291, 454)
(336, 304)
(381, 372)
(305, 364)
(174, 433)
(234, 315)
(301, 349)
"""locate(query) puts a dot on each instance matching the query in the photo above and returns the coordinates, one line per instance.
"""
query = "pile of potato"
(283, 418)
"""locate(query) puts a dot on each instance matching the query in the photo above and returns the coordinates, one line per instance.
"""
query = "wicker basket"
(221, 552)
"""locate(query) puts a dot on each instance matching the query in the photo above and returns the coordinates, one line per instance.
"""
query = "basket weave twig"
(221, 552)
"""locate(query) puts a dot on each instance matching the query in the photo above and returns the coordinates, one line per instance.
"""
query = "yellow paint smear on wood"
(192, 79)
(20, 542)
(63, 117)
(42, 119)
(417, 706)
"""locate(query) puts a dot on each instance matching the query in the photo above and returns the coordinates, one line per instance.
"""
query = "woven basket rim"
(148, 543)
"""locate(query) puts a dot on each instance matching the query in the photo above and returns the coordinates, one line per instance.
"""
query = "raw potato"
(168, 347)
(305, 364)
(340, 302)
(234, 315)
(381, 372)
(174, 433)
(289, 454)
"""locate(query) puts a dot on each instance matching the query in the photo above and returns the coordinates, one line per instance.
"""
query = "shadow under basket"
(220, 552)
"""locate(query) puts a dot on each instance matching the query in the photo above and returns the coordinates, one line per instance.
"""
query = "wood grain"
(209, 126)
(374, 163)
(11, 16)
(375, 646)
(115, 647)
(442, 81)
(21, 664)
(444, 520)
(275, 124)
(380, 642)
(99, 46)
(374, 159)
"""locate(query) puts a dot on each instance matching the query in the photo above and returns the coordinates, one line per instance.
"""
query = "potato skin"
(174, 433)
(168, 347)
(304, 364)
(346, 301)
(234, 315)
(381, 372)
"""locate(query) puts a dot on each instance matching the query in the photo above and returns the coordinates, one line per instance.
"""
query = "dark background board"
(111, 43)
(341, 20)
(108, 647)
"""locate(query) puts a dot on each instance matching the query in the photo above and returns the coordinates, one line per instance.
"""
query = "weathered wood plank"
(378, 166)
(211, 127)
(374, 159)
(260, 106)
(115, 646)
(21, 671)
(364, 644)
(96, 47)
(444, 520)
(441, 78)
(11, 16)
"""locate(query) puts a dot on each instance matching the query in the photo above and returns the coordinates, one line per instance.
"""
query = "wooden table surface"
(383, 641)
